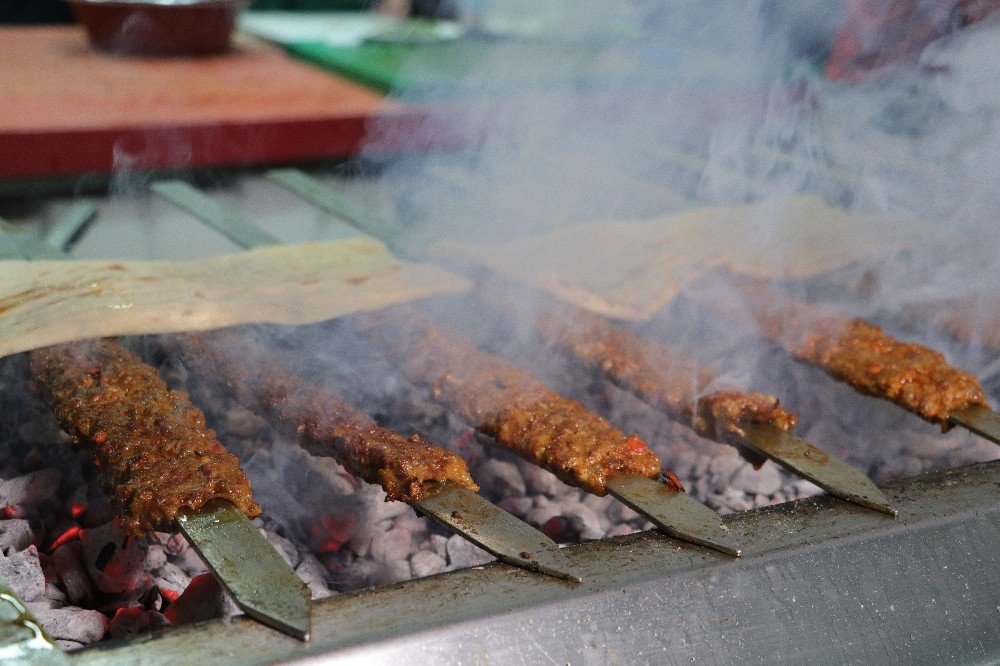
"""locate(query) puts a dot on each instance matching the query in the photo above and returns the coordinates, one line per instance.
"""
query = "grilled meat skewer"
(854, 351)
(519, 412)
(669, 381)
(434, 480)
(165, 469)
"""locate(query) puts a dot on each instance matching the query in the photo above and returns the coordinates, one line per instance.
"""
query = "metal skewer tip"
(674, 512)
(810, 462)
(496, 531)
(261, 582)
(981, 420)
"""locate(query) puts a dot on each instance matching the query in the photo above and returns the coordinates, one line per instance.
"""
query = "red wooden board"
(68, 109)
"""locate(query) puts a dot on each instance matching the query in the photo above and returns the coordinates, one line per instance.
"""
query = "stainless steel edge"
(821, 581)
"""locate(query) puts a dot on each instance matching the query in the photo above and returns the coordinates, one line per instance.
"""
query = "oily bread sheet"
(631, 269)
(49, 302)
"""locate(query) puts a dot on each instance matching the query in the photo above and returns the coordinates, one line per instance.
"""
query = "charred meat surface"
(408, 468)
(663, 378)
(913, 376)
(508, 404)
(150, 443)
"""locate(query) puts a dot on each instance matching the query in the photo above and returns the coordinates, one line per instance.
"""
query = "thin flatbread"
(631, 269)
(49, 302)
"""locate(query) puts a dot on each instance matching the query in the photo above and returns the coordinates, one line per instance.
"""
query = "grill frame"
(821, 580)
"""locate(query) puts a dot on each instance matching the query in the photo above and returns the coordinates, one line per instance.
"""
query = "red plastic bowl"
(159, 27)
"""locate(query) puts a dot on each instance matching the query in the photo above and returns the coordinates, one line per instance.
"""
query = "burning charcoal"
(285, 547)
(69, 646)
(330, 532)
(171, 580)
(68, 559)
(55, 594)
(15, 534)
(23, 572)
(113, 560)
(621, 513)
(502, 479)
(426, 563)
(29, 489)
(391, 546)
(190, 561)
(202, 600)
(621, 530)
(517, 506)
(543, 511)
(173, 544)
(157, 620)
(73, 624)
(382, 510)
(586, 522)
(440, 544)
(765, 481)
(724, 467)
(128, 621)
(313, 574)
(541, 481)
(462, 553)
(156, 556)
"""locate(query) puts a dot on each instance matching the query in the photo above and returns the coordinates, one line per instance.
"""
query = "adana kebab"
(674, 384)
(506, 403)
(666, 505)
(166, 469)
(434, 480)
(465, 512)
(913, 376)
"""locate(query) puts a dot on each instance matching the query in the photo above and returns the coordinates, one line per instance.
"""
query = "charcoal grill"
(820, 580)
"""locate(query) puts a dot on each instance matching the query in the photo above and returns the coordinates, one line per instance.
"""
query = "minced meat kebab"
(150, 443)
(508, 404)
(408, 468)
(914, 377)
(663, 378)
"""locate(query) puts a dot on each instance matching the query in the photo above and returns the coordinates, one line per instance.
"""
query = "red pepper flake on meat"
(143, 436)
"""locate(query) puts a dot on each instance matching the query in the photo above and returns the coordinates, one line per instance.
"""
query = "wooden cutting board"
(67, 109)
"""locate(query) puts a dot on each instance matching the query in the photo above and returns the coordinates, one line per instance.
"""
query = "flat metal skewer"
(810, 462)
(261, 582)
(22, 638)
(978, 419)
(466, 513)
(247, 566)
(674, 512)
(496, 531)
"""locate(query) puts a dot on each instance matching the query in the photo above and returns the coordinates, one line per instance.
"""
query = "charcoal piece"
(426, 563)
(500, 478)
(765, 481)
(313, 574)
(30, 489)
(15, 534)
(391, 546)
(284, 547)
(68, 559)
(23, 572)
(156, 557)
(74, 624)
(128, 621)
(462, 553)
(171, 578)
(114, 560)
